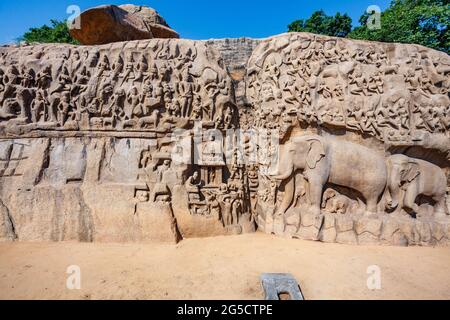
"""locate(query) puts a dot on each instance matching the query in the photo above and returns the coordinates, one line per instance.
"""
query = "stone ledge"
(363, 230)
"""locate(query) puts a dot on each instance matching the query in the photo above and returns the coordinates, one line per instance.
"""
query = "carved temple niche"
(212, 163)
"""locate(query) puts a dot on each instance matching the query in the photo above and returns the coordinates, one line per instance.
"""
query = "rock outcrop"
(110, 23)
(300, 135)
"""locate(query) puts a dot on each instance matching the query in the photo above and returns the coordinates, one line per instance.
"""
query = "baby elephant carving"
(409, 178)
(333, 202)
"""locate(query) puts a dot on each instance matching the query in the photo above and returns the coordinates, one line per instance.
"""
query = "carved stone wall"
(88, 144)
(140, 141)
(364, 140)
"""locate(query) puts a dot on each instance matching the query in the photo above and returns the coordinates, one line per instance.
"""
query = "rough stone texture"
(110, 23)
(235, 54)
(123, 142)
(7, 232)
(328, 232)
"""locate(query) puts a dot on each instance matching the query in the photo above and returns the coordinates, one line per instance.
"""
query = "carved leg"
(289, 191)
(371, 206)
(440, 209)
(53, 105)
(234, 217)
(316, 190)
(410, 201)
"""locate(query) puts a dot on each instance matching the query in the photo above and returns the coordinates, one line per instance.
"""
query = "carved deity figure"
(161, 190)
(192, 186)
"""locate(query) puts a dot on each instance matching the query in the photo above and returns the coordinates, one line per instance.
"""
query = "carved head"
(195, 175)
(66, 96)
(307, 151)
(267, 92)
(403, 169)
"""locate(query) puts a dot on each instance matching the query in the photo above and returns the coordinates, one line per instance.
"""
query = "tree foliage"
(58, 32)
(338, 25)
(424, 22)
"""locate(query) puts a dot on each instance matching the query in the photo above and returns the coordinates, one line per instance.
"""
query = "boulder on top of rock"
(110, 23)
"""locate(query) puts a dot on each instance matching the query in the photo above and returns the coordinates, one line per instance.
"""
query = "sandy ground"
(220, 268)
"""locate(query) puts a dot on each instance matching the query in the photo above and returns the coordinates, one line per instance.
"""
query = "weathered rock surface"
(110, 23)
(138, 140)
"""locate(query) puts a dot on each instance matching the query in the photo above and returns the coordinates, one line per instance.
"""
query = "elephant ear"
(315, 154)
(412, 171)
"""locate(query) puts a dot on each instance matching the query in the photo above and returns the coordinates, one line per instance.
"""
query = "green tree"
(424, 22)
(320, 23)
(58, 32)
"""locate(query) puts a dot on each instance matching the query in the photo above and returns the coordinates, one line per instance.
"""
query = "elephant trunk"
(286, 174)
(289, 192)
(285, 168)
(393, 189)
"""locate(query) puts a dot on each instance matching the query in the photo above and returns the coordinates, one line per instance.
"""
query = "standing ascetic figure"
(409, 178)
(329, 160)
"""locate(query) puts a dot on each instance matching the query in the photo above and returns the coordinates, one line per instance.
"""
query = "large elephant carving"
(409, 178)
(329, 160)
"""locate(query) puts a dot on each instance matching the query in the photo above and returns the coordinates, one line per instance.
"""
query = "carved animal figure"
(328, 160)
(150, 120)
(334, 202)
(409, 178)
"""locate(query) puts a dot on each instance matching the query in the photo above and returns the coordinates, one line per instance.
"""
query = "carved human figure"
(236, 210)
(338, 92)
(117, 69)
(152, 97)
(75, 63)
(11, 80)
(80, 82)
(134, 106)
(141, 70)
(153, 74)
(427, 85)
(324, 90)
(409, 178)
(355, 115)
(369, 123)
(161, 189)
(376, 83)
(117, 107)
(129, 70)
(25, 92)
(227, 212)
(386, 114)
(44, 78)
(63, 108)
(214, 206)
(38, 107)
(359, 81)
(8, 109)
(62, 86)
(185, 92)
(196, 108)
(192, 185)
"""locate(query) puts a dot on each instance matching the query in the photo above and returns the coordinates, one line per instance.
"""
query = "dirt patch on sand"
(220, 268)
